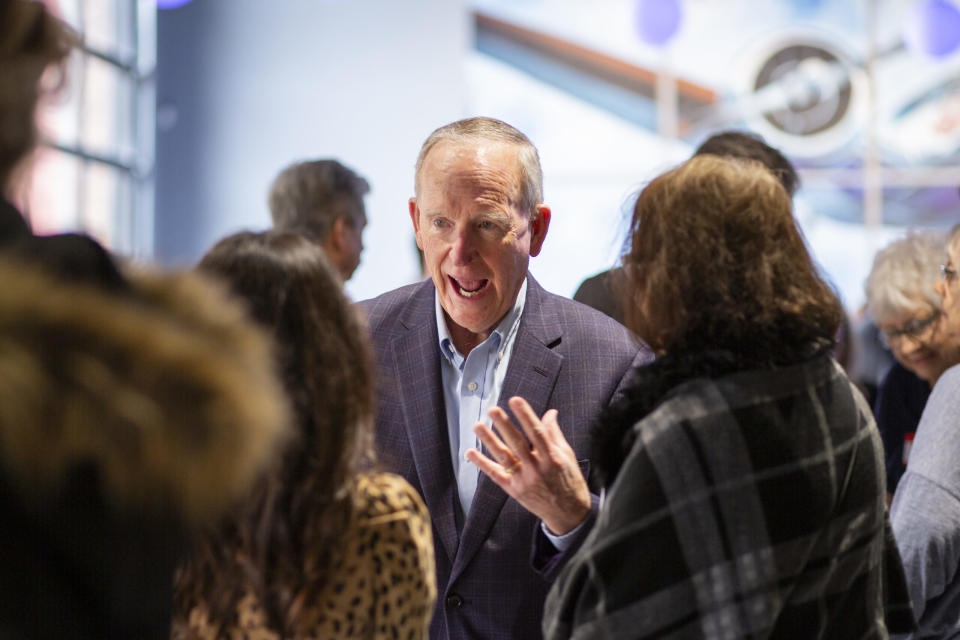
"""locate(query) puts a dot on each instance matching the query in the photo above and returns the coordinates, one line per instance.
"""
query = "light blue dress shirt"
(471, 386)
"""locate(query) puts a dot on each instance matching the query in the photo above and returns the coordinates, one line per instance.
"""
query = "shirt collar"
(506, 327)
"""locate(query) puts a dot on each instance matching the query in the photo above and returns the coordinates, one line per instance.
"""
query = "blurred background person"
(604, 291)
(926, 506)
(132, 409)
(323, 200)
(325, 547)
(133, 413)
(870, 355)
(901, 297)
(32, 41)
(722, 464)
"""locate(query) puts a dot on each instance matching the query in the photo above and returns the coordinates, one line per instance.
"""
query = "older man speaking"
(479, 332)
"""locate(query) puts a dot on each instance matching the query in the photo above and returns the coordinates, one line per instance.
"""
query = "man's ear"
(415, 217)
(539, 223)
(338, 234)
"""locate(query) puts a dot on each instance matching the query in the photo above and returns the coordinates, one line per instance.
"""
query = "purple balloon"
(171, 4)
(658, 20)
(933, 27)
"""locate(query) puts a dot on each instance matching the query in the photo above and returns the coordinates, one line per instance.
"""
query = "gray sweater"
(926, 513)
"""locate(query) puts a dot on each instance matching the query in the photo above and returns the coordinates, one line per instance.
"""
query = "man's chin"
(472, 322)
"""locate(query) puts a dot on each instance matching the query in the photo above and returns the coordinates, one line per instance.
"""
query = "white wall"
(247, 86)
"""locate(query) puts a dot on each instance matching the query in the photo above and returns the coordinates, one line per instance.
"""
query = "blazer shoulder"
(585, 334)
(385, 310)
(584, 322)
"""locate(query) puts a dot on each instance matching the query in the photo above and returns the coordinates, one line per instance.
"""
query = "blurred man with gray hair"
(323, 199)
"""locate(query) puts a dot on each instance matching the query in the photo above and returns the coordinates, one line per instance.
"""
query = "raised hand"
(542, 474)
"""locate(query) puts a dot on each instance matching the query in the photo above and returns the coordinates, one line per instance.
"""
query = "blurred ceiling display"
(862, 95)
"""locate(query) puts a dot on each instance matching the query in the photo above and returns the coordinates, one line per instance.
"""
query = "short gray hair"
(491, 129)
(904, 272)
(309, 196)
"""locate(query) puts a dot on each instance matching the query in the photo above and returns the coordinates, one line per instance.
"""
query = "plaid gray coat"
(749, 506)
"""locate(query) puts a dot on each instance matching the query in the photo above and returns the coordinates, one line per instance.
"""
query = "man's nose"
(464, 248)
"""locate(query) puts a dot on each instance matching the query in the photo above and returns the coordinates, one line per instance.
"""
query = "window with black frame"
(93, 171)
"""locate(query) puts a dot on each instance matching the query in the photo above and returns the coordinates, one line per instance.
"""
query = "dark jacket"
(127, 419)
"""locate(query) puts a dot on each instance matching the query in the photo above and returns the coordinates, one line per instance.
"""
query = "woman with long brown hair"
(325, 546)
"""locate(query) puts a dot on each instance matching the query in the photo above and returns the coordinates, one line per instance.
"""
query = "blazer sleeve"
(546, 559)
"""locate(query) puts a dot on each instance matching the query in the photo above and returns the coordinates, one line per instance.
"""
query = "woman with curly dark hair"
(742, 472)
(325, 546)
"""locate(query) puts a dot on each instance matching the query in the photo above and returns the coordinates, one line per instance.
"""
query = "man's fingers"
(491, 468)
(514, 439)
(530, 422)
(494, 445)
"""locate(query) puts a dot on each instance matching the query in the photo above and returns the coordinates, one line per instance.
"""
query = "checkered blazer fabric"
(566, 356)
(750, 505)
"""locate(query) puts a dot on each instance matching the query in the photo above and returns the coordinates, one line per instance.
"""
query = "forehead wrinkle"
(485, 185)
(486, 174)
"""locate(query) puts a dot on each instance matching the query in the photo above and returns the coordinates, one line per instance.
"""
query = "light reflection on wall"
(869, 113)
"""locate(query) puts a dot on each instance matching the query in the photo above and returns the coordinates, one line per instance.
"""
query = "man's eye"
(487, 225)
(439, 223)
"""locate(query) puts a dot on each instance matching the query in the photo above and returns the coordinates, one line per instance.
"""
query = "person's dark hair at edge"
(305, 502)
(750, 146)
(33, 41)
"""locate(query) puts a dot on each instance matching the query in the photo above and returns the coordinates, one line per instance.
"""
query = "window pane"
(105, 201)
(106, 116)
(53, 192)
(108, 27)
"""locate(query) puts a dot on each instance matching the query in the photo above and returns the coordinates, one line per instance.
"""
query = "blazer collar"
(532, 374)
(416, 358)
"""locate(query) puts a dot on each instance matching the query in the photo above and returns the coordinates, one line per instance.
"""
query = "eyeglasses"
(947, 273)
(916, 330)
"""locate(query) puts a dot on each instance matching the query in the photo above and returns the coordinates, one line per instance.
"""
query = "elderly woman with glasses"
(926, 506)
(902, 300)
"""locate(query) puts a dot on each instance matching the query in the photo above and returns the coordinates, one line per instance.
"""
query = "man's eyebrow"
(495, 214)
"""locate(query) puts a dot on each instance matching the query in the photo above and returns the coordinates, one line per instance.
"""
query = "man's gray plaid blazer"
(567, 357)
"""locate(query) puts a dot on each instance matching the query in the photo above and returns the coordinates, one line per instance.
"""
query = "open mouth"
(468, 288)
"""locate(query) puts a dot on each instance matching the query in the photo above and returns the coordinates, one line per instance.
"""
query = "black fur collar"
(612, 436)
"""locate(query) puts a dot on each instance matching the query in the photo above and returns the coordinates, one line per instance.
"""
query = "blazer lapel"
(532, 374)
(417, 358)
